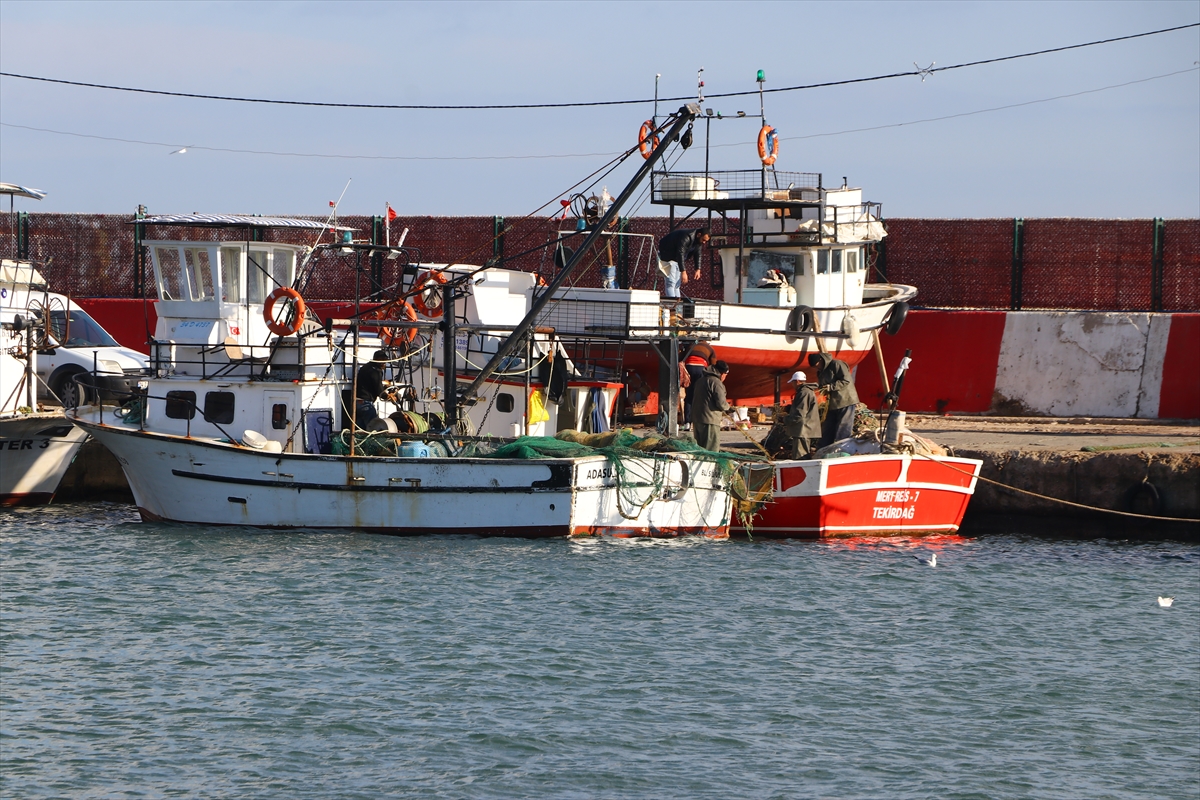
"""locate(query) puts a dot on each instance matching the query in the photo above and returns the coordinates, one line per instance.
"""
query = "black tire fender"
(896, 318)
(800, 320)
(1144, 498)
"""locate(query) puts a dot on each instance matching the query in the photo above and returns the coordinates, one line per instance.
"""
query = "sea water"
(145, 660)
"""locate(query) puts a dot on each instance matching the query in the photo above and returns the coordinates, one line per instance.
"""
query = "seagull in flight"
(1165, 602)
(929, 560)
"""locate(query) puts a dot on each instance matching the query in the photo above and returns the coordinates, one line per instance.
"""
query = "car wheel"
(70, 393)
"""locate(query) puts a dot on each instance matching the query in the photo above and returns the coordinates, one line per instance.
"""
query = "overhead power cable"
(584, 155)
(584, 104)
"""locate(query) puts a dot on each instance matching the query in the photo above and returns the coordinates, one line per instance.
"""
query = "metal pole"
(450, 359)
(685, 115)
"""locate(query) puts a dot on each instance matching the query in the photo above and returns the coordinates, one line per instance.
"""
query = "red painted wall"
(954, 359)
(1181, 370)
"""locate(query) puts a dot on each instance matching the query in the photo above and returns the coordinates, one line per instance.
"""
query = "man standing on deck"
(834, 377)
(708, 405)
(368, 388)
(673, 250)
(803, 423)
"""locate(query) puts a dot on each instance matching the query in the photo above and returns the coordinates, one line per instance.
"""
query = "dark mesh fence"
(1088, 264)
(954, 263)
(1181, 265)
(1115, 265)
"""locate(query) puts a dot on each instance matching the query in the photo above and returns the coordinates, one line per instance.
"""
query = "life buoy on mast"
(392, 335)
(428, 301)
(277, 327)
(647, 138)
(768, 145)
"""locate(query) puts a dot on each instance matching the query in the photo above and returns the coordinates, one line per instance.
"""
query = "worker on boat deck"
(708, 405)
(834, 377)
(699, 358)
(802, 422)
(674, 250)
(369, 387)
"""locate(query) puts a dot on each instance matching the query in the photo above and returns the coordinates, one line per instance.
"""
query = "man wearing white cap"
(802, 423)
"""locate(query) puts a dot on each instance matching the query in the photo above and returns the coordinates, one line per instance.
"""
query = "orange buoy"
(275, 325)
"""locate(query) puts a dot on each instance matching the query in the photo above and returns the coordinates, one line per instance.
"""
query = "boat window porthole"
(279, 420)
(504, 402)
(181, 405)
(218, 407)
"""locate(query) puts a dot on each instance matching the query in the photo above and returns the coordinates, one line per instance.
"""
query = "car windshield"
(83, 331)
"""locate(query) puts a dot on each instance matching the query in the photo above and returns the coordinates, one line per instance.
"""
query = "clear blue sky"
(1131, 152)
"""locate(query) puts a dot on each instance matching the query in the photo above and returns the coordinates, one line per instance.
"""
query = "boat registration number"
(23, 444)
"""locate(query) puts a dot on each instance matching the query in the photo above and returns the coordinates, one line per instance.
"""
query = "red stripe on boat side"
(863, 472)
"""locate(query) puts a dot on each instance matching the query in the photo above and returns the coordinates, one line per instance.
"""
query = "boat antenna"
(682, 117)
(654, 119)
(700, 87)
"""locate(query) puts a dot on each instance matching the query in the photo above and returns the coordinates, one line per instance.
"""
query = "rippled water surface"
(147, 660)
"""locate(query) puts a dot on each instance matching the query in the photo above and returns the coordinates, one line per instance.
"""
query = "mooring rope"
(1059, 499)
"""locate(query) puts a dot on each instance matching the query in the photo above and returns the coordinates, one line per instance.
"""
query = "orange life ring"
(428, 300)
(277, 327)
(647, 139)
(767, 140)
(393, 336)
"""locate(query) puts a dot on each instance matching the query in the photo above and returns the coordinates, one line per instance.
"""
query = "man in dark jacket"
(674, 249)
(834, 377)
(802, 422)
(370, 387)
(708, 405)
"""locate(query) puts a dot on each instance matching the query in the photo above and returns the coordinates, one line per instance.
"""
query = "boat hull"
(189, 480)
(35, 452)
(866, 495)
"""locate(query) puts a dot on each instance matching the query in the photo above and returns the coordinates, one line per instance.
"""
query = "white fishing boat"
(36, 446)
(249, 417)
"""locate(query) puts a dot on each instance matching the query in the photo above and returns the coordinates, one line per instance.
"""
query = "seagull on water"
(1165, 602)
(929, 560)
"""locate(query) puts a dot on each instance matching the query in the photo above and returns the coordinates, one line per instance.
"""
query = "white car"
(79, 361)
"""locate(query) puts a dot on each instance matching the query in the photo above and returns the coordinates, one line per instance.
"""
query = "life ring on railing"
(277, 327)
(647, 139)
(768, 142)
(428, 301)
(393, 336)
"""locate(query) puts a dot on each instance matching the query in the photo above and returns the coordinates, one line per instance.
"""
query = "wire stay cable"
(591, 103)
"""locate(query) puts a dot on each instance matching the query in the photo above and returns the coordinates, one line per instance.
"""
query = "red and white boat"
(876, 494)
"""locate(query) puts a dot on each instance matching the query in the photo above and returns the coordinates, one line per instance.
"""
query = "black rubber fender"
(897, 317)
(1144, 498)
(800, 319)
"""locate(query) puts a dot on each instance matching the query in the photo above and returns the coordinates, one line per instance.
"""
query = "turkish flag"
(391, 213)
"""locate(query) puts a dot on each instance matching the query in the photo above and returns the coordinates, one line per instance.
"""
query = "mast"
(685, 115)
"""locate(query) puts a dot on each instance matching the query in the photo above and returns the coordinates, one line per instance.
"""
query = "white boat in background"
(36, 447)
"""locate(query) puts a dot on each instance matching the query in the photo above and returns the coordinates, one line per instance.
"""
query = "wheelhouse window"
(837, 262)
(231, 274)
(504, 402)
(822, 262)
(181, 405)
(851, 261)
(266, 270)
(218, 407)
(279, 420)
(172, 285)
(199, 272)
(790, 264)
